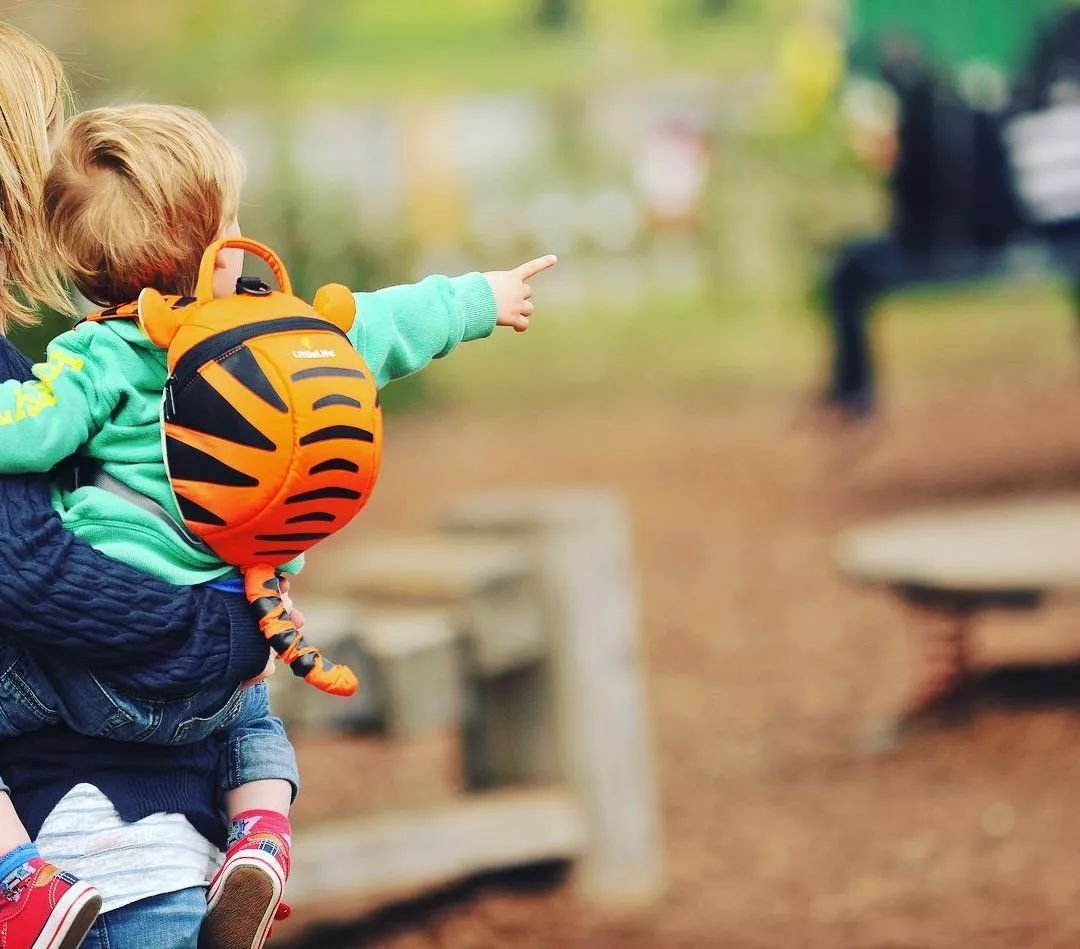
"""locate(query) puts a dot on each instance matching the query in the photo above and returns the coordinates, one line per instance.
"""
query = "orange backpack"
(272, 431)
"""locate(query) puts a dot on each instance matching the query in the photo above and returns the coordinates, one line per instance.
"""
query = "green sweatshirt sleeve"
(399, 330)
(44, 421)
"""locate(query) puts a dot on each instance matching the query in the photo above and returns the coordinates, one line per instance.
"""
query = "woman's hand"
(298, 621)
(294, 614)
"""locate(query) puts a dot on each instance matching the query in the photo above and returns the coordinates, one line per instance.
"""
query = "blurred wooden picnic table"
(949, 564)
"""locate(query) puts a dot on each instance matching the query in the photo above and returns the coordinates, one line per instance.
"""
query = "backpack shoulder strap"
(126, 311)
(130, 311)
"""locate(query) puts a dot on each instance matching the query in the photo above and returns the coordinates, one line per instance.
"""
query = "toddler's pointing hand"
(513, 294)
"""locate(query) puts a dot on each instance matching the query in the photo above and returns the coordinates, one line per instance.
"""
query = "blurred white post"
(594, 692)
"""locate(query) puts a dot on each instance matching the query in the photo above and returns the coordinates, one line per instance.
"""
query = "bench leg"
(942, 665)
(943, 655)
(941, 671)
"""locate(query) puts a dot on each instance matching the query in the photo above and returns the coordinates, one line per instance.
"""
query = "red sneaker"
(44, 908)
(245, 895)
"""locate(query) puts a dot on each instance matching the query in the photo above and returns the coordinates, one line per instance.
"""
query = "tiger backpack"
(271, 430)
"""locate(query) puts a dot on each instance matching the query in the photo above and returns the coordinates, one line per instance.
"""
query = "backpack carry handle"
(204, 289)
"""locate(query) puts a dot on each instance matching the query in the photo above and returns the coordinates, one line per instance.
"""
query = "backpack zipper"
(221, 345)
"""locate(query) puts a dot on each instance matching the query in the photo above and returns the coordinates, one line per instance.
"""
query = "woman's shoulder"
(13, 364)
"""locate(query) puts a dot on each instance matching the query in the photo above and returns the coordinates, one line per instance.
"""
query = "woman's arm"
(58, 593)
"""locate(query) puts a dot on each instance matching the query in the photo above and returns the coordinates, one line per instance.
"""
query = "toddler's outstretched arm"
(399, 330)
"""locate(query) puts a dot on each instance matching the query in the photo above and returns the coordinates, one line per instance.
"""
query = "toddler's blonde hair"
(135, 195)
(32, 99)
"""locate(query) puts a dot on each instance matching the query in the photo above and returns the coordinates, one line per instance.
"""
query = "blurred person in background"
(1043, 138)
(951, 198)
(975, 174)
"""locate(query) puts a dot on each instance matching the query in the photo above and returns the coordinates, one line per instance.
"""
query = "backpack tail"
(263, 590)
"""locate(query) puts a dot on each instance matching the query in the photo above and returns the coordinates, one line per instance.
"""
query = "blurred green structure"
(952, 33)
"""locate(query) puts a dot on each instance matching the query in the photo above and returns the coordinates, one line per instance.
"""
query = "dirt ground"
(764, 670)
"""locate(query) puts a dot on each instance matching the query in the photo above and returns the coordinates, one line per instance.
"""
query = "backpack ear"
(157, 319)
(335, 304)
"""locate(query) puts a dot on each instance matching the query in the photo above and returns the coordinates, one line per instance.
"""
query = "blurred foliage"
(289, 55)
(556, 14)
(293, 50)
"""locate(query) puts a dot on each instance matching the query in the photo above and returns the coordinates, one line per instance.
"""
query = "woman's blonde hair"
(135, 195)
(32, 99)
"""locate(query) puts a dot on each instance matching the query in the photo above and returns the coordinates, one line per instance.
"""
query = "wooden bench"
(949, 564)
(516, 624)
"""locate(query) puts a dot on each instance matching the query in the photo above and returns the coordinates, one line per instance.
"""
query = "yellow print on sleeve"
(32, 398)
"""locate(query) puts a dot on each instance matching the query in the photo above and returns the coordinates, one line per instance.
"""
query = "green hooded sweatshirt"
(98, 395)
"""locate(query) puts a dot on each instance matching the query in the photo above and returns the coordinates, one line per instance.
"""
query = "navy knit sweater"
(146, 636)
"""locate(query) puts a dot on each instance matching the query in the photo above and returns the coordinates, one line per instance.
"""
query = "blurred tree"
(809, 67)
(711, 8)
(556, 14)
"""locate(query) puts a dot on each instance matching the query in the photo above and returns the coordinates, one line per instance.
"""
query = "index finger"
(531, 268)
